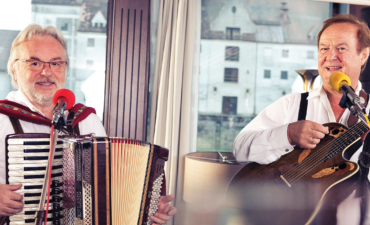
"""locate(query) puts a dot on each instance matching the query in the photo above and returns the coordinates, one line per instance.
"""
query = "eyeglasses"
(34, 64)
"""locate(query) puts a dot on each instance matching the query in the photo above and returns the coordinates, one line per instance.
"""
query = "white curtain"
(172, 86)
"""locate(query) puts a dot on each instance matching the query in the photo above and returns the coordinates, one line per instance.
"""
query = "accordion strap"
(80, 112)
(16, 112)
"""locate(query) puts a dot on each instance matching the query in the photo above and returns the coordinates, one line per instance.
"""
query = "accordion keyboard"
(26, 161)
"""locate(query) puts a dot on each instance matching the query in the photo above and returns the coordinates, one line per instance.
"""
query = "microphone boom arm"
(351, 101)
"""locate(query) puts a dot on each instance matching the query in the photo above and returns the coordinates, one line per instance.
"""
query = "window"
(273, 54)
(232, 54)
(229, 105)
(232, 33)
(84, 75)
(90, 42)
(64, 27)
(310, 54)
(284, 75)
(89, 63)
(285, 53)
(267, 74)
(231, 75)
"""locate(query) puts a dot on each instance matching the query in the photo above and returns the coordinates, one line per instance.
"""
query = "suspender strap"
(16, 125)
(303, 106)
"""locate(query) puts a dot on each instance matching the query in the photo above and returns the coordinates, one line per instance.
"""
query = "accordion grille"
(128, 171)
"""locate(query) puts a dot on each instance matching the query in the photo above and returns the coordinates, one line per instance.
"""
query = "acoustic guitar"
(302, 187)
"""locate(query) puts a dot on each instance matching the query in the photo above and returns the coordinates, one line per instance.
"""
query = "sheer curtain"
(172, 86)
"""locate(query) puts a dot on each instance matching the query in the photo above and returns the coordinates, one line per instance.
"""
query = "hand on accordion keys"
(10, 202)
(165, 210)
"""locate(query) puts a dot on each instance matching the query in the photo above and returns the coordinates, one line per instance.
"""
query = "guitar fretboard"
(345, 139)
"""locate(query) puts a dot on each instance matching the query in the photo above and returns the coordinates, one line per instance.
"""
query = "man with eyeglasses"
(38, 66)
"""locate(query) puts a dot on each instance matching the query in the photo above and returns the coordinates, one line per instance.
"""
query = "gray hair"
(27, 34)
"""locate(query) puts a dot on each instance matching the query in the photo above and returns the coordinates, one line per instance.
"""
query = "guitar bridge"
(287, 183)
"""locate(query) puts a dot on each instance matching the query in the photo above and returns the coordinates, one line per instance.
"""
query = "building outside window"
(257, 38)
(229, 105)
(89, 64)
(232, 33)
(231, 53)
(267, 74)
(90, 42)
(310, 54)
(284, 75)
(285, 53)
(231, 75)
(64, 27)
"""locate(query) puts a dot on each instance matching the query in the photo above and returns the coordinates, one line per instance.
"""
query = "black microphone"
(63, 99)
(341, 83)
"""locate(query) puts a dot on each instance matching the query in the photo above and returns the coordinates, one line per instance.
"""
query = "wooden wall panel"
(127, 75)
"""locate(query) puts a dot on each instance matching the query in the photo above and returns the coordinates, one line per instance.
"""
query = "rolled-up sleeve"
(264, 139)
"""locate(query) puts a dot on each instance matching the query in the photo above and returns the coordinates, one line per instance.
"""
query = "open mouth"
(45, 83)
(333, 68)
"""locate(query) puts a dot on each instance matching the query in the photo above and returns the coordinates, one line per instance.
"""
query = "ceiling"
(355, 2)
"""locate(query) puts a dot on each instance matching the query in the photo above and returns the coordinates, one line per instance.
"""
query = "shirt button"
(286, 150)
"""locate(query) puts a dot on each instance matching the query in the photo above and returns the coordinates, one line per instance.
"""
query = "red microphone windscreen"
(67, 94)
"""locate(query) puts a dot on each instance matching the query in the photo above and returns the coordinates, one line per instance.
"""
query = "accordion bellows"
(94, 180)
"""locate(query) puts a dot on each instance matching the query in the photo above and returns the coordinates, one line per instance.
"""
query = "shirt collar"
(19, 97)
(316, 91)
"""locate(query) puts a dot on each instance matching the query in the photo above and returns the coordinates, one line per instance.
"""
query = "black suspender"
(303, 106)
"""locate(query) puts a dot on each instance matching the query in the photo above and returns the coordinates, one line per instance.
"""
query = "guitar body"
(299, 188)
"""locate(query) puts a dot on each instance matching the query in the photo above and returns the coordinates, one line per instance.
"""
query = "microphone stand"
(57, 123)
(346, 102)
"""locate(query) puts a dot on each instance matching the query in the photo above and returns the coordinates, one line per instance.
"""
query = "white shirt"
(89, 125)
(264, 139)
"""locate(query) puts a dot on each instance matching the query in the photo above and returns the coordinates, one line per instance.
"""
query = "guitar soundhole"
(335, 132)
(342, 166)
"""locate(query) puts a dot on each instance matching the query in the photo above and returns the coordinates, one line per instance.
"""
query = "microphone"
(341, 83)
(63, 99)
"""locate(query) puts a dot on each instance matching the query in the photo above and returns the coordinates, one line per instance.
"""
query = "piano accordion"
(95, 180)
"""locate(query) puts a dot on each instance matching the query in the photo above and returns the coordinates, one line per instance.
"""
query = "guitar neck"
(2, 220)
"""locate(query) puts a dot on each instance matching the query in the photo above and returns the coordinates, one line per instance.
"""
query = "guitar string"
(318, 157)
(321, 154)
(338, 141)
(311, 159)
(337, 148)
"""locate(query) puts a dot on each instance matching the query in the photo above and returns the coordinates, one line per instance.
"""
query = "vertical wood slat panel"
(127, 75)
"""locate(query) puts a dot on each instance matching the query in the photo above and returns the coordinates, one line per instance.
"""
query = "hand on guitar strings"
(306, 134)
(165, 210)
(10, 201)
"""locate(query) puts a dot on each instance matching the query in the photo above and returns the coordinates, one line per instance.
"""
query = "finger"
(162, 216)
(13, 187)
(14, 204)
(172, 211)
(320, 128)
(6, 211)
(315, 141)
(168, 198)
(159, 220)
(164, 208)
(15, 196)
(317, 134)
